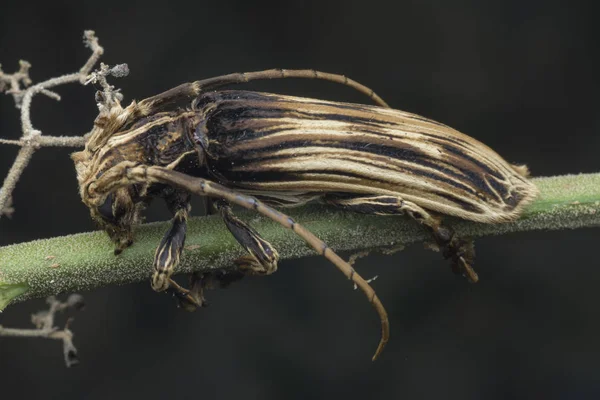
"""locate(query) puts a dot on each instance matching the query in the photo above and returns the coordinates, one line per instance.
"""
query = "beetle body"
(260, 150)
(289, 150)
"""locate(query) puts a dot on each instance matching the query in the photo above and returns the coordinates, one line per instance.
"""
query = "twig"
(85, 261)
(44, 326)
(15, 80)
(31, 138)
(48, 141)
(8, 208)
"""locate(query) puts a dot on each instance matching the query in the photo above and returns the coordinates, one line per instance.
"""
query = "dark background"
(522, 76)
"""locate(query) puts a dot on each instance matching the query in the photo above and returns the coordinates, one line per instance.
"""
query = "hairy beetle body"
(259, 150)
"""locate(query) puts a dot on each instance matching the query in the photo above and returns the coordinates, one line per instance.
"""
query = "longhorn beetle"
(260, 150)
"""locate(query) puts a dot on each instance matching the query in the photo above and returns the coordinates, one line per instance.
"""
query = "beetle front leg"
(168, 253)
(262, 257)
(193, 298)
(461, 252)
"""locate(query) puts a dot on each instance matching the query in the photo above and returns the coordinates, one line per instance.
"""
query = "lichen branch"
(85, 261)
(18, 85)
(44, 326)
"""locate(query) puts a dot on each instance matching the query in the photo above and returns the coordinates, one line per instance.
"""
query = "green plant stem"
(84, 261)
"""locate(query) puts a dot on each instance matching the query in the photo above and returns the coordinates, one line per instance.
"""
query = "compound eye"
(106, 209)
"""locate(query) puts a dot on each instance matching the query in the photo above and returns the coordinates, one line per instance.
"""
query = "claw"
(467, 270)
(186, 298)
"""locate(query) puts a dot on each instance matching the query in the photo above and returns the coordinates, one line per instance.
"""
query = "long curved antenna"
(127, 173)
(193, 89)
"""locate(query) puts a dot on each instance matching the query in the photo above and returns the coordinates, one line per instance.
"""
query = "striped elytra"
(288, 150)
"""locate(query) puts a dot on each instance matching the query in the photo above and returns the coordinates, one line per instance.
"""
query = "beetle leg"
(461, 252)
(193, 298)
(169, 250)
(188, 299)
(262, 258)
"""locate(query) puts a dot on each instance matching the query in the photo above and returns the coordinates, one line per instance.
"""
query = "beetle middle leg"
(261, 260)
(262, 257)
(461, 252)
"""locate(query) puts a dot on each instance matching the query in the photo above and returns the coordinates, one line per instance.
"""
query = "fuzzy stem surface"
(84, 261)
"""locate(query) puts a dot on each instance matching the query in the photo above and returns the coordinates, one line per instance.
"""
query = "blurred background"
(521, 76)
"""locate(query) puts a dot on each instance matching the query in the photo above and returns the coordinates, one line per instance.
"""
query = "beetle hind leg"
(461, 252)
